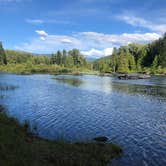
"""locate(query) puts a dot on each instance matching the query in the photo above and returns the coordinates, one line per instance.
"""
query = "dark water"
(131, 113)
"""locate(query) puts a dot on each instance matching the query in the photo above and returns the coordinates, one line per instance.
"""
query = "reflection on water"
(71, 81)
(109, 86)
(131, 113)
(5, 87)
(140, 89)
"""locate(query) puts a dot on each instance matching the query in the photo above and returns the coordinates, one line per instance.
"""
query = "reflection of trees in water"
(5, 87)
(147, 90)
(70, 81)
(139, 89)
(1, 96)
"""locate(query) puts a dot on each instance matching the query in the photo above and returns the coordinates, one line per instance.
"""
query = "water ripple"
(131, 113)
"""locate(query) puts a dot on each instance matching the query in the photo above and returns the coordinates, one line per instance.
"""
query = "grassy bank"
(56, 69)
(42, 68)
(20, 148)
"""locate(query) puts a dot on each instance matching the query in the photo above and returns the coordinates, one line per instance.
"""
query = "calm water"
(131, 113)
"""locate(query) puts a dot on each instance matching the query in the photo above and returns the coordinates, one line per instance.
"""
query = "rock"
(101, 139)
(133, 76)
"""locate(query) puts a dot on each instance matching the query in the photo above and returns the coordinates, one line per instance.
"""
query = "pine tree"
(155, 62)
(59, 58)
(131, 62)
(3, 59)
(69, 61)
(123, 63)
(64, 55)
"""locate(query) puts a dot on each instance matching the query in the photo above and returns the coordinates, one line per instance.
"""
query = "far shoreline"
(83, 73)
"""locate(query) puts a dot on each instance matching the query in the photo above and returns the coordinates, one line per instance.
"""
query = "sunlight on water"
(131, 113)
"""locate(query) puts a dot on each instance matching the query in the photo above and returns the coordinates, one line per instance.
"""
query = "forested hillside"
(24, 62)
(20, 57)
(135, 58)
(149, 58)
(71, 58)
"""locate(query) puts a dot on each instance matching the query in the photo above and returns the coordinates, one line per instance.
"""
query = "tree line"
(72, 58)
(135, 58)
(3, 59)
(68, 59)
(131, 58)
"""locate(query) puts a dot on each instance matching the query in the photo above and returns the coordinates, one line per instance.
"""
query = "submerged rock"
(101, 139)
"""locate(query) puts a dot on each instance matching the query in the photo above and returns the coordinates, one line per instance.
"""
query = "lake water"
(132, 113)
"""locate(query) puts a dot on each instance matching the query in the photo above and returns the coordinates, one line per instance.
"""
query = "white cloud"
(141, 22)
(65, 40)
(92, 52)
(41, 33)
(97, 53)
(7, 1)
(90, 43)
(106, 40)
(34, 21)
(46, 21)
(42, 38)
(108, 51)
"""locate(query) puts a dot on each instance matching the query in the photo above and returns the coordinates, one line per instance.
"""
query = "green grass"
(29, 68)
(42, 68)
(18, 147)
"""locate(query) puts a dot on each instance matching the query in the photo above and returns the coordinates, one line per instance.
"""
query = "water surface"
(131, 113)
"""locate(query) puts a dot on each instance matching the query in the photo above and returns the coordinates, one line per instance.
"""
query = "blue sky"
(93, 26)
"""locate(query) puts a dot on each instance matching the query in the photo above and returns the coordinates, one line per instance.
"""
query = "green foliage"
(150, 58)
(60, 62)
(123, 64)
(155, 63)
(70, 59)
(131, 63)
(20, 57)
(3, 60)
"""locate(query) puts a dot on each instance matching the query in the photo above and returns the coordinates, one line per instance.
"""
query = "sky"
(93, 26)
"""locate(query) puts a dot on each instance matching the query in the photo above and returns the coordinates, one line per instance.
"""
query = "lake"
(132, 113)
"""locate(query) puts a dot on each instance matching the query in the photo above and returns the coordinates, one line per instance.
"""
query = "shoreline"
(19, 146)
(81, 73)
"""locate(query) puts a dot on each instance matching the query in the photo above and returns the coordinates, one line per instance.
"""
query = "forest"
(59, 62)
(146, 58)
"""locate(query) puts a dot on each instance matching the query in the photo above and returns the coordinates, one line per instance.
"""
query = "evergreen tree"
(3, 59)
(131, 63)
(59, 58)
(64, 55)
(53, 59)
(123, 64)
(69, 61)
(155, 63)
